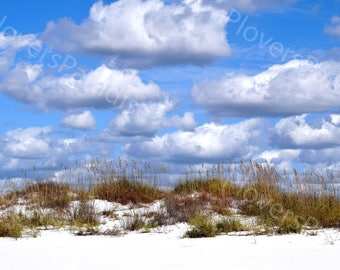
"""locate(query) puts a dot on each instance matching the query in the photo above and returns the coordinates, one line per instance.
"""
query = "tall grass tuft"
(125, 192)
(11, 226)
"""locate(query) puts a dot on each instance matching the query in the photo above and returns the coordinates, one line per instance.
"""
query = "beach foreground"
(62, 250)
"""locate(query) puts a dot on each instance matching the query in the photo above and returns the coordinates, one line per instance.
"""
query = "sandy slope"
(61, 250)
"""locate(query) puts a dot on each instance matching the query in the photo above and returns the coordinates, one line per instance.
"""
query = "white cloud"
(10, 44)
(42, 149)
(145, 33)
(279, 156)
(334, 28)
(145, 119)
(187, 122)
(316, 160)
(141, 119)
(27, 143)
(281, 159)
(335, 119)
(325, 157)
(99, 88)
(295, 132)
(296, 87)
(207, 143)
(248, 5)
(84, 121)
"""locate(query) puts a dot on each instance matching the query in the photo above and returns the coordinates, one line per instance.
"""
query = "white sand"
(61, 250)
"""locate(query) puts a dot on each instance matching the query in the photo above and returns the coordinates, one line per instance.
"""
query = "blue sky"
(179, 82)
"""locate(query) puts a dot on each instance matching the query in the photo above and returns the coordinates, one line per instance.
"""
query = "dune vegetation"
(248, 198)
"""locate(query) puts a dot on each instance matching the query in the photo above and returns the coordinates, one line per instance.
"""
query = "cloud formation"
(11, 44)
(40, 148)
(294, 88)
(207, 143)
(333, 29)
(146, 33)
(100, 88)
(295, 132)
(83, 121)
(145, 119)
(27, 143)
(247, 5)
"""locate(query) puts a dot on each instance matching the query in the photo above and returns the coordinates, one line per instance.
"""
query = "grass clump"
(216, 187)
(125, 192)
(228, 225)
(182, 208)
(47, 194)
(39, 219)
(289, 224)
(11, 226)
(134, 223)
(83, 218)
(83, 213)
(290, 212)
(215, 193)
(203, 226)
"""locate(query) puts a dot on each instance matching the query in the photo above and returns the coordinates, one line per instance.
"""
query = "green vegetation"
(205, 226)
(280, 204)
(10, 226)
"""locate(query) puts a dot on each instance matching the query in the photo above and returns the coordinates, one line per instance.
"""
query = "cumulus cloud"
(333, 29)
(84, 121)
(207, 143)
(9, 46)
(187, 122)
(41, 148)
(294, 88)
(280, 156)
(146, 33)
(315, 159)
(295, 132)
(27, 143)
(145, 119)
(100, 88)
(325, 157)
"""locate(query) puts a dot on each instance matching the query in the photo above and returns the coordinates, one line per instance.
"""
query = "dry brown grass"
(282, 203)
(125, 192)
(45, 194)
